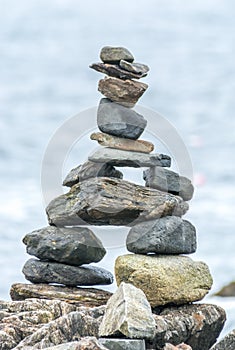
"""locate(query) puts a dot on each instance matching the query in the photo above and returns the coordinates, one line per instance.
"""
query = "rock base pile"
(153, 307)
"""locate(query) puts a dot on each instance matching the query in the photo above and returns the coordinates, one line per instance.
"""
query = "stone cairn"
(156, 268)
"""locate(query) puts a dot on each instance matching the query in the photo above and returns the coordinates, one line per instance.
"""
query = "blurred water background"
(45, 50)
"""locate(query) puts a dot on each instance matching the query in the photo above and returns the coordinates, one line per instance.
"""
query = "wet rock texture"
(74, 246)
(125, 92)
(128, 312)
(86, 343)
(166, 278)
(197, 325)
(105, 201)
(19, 320)
(89, 170)
(121, 143)
(89, 297)
(167, 235)
(169, 181)
(37, 271)
(127, 158)
(117, 120)
(227, 343)
(70, 327)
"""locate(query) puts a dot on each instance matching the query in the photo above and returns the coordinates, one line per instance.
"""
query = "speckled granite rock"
(169, 181)
(104, 201)
(89, 170)
(89, 297)
(128, 312)
(167, 235)
(37, 271)
(166, 278)
(73, 246)
(125, 92)
(111, 54)
(117, 120)
(121, 143)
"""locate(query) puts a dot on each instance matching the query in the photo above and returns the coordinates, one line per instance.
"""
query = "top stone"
(110, 54)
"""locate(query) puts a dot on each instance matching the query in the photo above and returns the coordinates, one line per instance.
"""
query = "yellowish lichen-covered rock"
(165, 279)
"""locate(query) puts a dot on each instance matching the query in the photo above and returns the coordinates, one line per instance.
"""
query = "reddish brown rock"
(121, 143)
(89, 297)
(125, 92)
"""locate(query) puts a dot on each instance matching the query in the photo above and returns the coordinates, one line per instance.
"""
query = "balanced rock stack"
(155, 268)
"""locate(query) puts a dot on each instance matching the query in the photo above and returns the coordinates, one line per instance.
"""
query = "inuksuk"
(158, 282)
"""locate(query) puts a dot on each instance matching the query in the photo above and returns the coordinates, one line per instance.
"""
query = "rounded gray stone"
(111, 54)
(74, 246)
(166, 235)
(117, 120)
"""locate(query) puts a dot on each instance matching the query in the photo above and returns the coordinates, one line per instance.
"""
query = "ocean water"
(46, 48)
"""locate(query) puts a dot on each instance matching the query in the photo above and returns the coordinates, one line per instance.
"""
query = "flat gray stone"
(114, 70)
(126, 92)
(73, 246)
(88, 170)
(169, 181)
(122, 158)
(137, 68)
(123, 344)
(227, 343)
(117, 120)
(110, 54)
(128, 312)
(104, 201)
(167, 235)
(37, 271)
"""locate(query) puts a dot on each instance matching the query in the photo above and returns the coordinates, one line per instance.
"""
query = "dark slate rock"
(227, 343)
(37, 271)
(122, 158)
(198, 325)
(73, 246)
(124, 92)
(110, 54)
(137, 68)
(105, 201)
(113, 70)
(167, 235)
(123, 344)
(117, 120)
(88, 170)
(169, 181)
